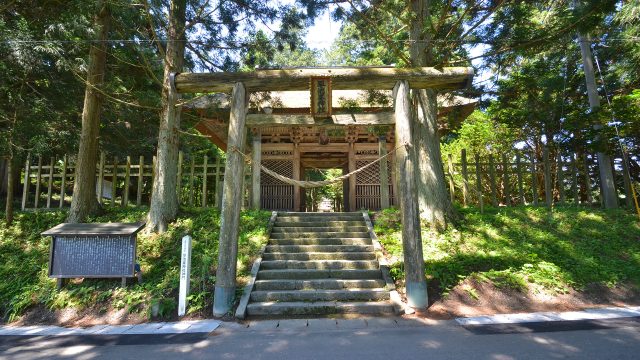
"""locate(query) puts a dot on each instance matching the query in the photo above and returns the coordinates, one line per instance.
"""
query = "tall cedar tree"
(84, 202)
(164, 197)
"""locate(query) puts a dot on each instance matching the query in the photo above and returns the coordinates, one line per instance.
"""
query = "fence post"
(627, 179)
(216, 184)
(574, 179)
(154, 163)
(479, 183)
(63, 183)
(492, 181)
(25, 188)
(140, 180)
(505, 185)
(50, 183)
(451, 185)
(38, 180)
(191, 176)
(101, 178)
(587, 180)
(560, 178)
(179, 179)
(127, 174)
(465, 177)
(114, 179)
(520, 186)
(534, 178)
(547, 176)
(204, 181)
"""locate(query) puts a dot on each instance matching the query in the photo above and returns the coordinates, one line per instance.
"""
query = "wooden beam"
(204, 130)
(277, 147)
(365, 78)
(225, 287)
(381, 118)
(415, 281)
(314, 147)
(323, 163)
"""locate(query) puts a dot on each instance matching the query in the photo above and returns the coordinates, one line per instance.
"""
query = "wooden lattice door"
(276, 194)
(368, 186)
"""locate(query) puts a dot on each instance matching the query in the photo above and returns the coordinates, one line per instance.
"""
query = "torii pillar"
(225, 288)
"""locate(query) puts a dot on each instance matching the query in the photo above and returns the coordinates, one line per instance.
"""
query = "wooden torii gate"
(341, 78)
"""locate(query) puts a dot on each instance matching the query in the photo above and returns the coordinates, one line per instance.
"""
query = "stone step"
(290, 219)
(315, 284)
(320, 256)
(358, 274)
(321, 241)
(317, 248)
(320, 295)
(320, 235)
(341, 224)
(319, 308)
(321, 214)
(319, 264)
(318, 230)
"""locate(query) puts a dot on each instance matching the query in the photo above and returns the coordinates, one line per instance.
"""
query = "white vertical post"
(185, 275)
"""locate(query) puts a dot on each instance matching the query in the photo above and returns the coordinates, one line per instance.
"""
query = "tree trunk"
(84, 200)
(10, 191)
(164, 197)
(434, 202)
(607, 185)
(415, 281)
(4, 164)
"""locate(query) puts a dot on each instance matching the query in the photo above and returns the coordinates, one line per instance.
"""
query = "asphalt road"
(608, 339)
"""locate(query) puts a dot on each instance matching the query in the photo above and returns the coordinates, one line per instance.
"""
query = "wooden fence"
(49, 184)
(496, 180)
(520, 179)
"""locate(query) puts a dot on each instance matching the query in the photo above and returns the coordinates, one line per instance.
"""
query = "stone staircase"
(319, 264)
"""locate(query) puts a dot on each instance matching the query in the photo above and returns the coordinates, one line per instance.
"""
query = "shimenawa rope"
(314, 184)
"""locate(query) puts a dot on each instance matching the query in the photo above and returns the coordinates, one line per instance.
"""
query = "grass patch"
(526, 248)
(25, 262)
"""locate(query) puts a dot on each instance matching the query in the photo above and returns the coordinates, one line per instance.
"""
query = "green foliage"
(387, 220)
(332, 192)
(25, 261)
(264, 53)
(529, 248)
(481, 135)
(504, 279)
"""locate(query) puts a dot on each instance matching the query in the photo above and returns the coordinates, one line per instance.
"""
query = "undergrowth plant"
(525, 248)
(24, 264)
